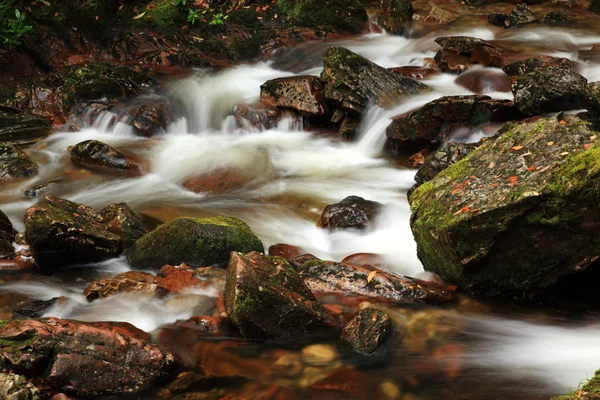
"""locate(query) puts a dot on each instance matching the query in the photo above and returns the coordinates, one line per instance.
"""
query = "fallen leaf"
(371, 276)
(139, 16)
(564, 153)
(455, 191)
(532, 168)
(513, 179)
(593, 137)
(550, 143)
(587, 146)
(515, 148)
(44, 2)
(562, 122)
(121, 7)
(526, 154)
(458, 212)
(546, 168)
(495, 184)
(475, 210)
(473, 177)
(492, 165)
(465, 209)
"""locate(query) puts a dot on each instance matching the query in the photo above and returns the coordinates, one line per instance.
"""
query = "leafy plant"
(180, 2)
(193, 16)
(217, 19)
(14, 29)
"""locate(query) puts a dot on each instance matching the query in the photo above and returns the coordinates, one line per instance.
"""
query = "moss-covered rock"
(96, 155)
(353, 82)
(14, 164)
(267, 299)
(63, 233)
(517, 214)
(17, 127)
(449, 153)
(121, 220)
(327, 15)
(533, 64)
(395, 15)
(589, 391)
(366, 332)
(193, 241)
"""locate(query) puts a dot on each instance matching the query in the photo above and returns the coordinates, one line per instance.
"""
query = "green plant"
(13, 29)
(193, 16)
(180, 2)
(217, 19)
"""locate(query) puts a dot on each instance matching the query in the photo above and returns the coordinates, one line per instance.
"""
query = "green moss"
(591, 386)
(164, 14)
(328, 15)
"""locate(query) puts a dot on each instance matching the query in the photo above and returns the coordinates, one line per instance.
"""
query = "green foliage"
(194, 15)
(217, 19)
(12, 29)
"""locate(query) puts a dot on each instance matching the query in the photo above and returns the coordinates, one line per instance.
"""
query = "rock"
(436, 120)
(533, 64)
(85, 359)
(351, 280)
(591, 99)
(36, 308)
(193, 241)
(14, 164)
(172, 279)
(267, 299)
(351, 212)
(366, 332)
(219, 181)
(349, 128)
(130, 281)
(42, 189)
(257, 116)
(352, 82)
(100, 156)
(461, 44)
(488, 56)
(285, 250)
(452, 62)
(482, 81)
(328, 15)
(17, 387)
(207, 326)
(150, 118)
(449, 153)
(558, 17)
(549, 89)
(517, 214)
(521, 15)
(595, 6)
(441, 16)
(7, 236)
(300, 93)
(19, 128)
(498, 19)
(63, 233)
(121, 220)
(395, 15)
(414, 72)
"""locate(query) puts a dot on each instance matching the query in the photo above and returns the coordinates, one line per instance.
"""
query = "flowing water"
(470, 350)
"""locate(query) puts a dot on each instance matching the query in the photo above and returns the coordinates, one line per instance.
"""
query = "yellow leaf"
(139, 16)
(550, 143)
(45, 3)
(371, 276)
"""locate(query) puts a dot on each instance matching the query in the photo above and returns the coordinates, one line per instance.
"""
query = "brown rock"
(100, 156)
(360, 259)
(257, 116)
(285, 250)
(482, 81)
(415, 72)
(450, 61)
(488, 56)
(130, 281)
(367, 331)
(150, 118)
(121, 220)
(172, 279)
(351, 212)
(300, 93)
(218, 182)
(440, 15)
(532, 64)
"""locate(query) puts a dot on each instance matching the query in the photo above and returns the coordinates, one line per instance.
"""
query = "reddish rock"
(172, 279)
(359, 259)
(121, 220)
(482, 81)
(488, 56)
(449, 61)
(300, 93)
(285, 250)
(85, 359)
(17, 264)
(415, 72)
(367, 331)
(217, 182)
(257, 116)
(533, 64)
(131, 281)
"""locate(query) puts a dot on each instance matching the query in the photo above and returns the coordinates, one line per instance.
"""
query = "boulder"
(36, 308)
(303, 94)
(558, 17)
(595, 6)
(352, 82)
(436, 120)
(62, 233)
(395, 15)
(172, 279)
(327, 15)
(549, 89)
(17, 387)
(351, 212)
(489, 56)
(452, 62)
(121, 220)
(130, 281)
(267, 299)
(149, 118)
(259, 116)
(7, 236)
(516, 215)
(368, 281)
(521, 15)
(193, 241)
(14, 164)
(367, 332)
(449, 153)
(85, 359)
(533, 64)
(96, 155)
(464, 45)
(19, 128)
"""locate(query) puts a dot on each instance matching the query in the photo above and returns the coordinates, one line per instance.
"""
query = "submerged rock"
(395, 15)
(267, 299)
(368, 281)
(558, 17)
(300, 93)
(351, 212)
(150, 118)
(94, 154)
(17, 127)
(352, 82)
(42, 189)
(17, 387)
(516, 215)
(329, 15)
(549, 89)
(449, 153)
(366, 332)
(14, 164)
(85, 359)
(62, 233)
(130, 281)
(121, 220)
(193, 241)
(536, 63)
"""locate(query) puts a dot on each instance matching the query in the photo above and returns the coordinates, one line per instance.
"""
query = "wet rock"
(329, 15)
(19, 128)
(193, 241)
(14, 164)
(345, 382)
(85, 359)
(360, 259)
(488, 56)
(17, 387)
(267, 299)
(42, 189)
(517, 214)
(449, 153)
(7, 236)
(558, 17)
(395, 15)
(63, 233)
(150, 118)
(210, 326)
(366, 332)
(436, 120)
(352, 82)
(130, 281)
(591, 99)
(549, 89)
(498, 19)
(349, 128)
(533, 64)
(414, 72)
(482, 3)
(300, 93)
(351, 212)
(257, 116)
(521, 15)
(100, 156)
(36, 308)
(285, 250)
(368, 281)
(220, 181)
(172, 279)
(595, 6)
(121, 220)
(461, 44)
(452, 62)
(482, 81)
(441, 16)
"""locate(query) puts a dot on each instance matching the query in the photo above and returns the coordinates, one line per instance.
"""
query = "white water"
(288, 162)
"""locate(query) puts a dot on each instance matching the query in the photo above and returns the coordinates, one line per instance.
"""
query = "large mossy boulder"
(327, 15)
(62, 233)
(267, 299)
(14, 164)
(193, 241)
(395, 15)
(17, 127)
(517, 214)
(352, 82)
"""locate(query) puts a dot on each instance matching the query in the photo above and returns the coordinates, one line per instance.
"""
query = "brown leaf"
(550, 143)
(515, 148)
(532, 168)
(475, 210)
(562, 122)
(492, 165)
(371, 276)
(465, 209)
(513, 179)
(546, 168)
(587, 146)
